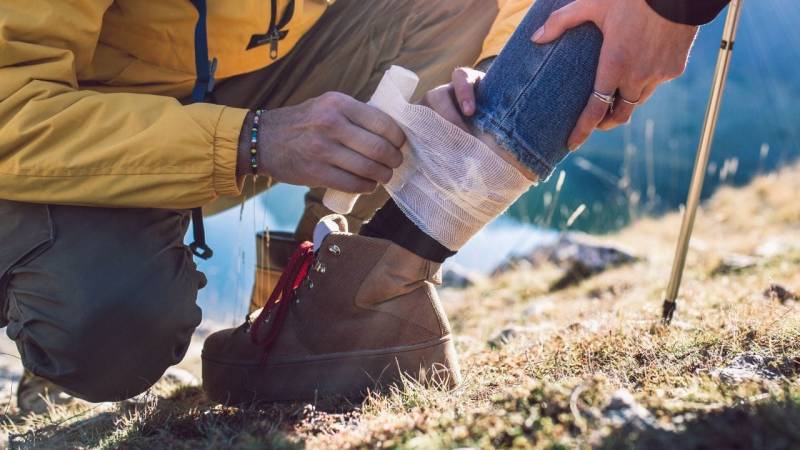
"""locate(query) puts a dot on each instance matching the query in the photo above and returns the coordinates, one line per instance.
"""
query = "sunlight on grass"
(589, 366)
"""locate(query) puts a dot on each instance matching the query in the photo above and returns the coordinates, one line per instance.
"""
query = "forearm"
(60, 144)
(115, 150)
(689, 12)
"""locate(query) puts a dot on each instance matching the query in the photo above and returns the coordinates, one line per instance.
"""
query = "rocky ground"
(555, 355)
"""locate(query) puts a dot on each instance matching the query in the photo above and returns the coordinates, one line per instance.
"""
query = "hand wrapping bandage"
(450, 183)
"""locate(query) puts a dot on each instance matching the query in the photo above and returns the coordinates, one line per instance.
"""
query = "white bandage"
(450, 183)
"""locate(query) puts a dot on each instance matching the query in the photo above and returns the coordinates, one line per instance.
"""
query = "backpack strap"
(203, 85)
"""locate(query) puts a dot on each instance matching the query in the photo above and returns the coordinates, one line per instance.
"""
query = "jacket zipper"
(275, 32)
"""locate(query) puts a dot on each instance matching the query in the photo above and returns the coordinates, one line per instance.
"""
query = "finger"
(355, 163)
(624, 106)
(570, 16)
(610, 70)
(341, 180)
(592, 115)
(375, 121)
(621, 115)
(369, 145)
(648, 92)
(464, 90)
(449, 110)
(443, 101)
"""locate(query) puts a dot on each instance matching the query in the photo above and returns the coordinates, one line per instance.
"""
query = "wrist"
(687, 12)
(248, 159)
(243, 151)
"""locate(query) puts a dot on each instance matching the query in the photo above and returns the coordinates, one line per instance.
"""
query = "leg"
(366, 306)
(533, 95)
(528, 103)
(348, 51)
(99, 301)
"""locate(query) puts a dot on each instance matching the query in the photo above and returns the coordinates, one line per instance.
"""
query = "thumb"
(565, 18)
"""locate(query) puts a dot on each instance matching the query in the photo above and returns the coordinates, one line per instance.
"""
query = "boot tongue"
(326, 226)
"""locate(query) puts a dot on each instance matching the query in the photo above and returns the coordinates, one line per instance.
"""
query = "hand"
(455, 100)
(640, 50)
(331, 141)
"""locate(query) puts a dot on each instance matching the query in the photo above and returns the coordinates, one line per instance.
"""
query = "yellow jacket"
(88, 89)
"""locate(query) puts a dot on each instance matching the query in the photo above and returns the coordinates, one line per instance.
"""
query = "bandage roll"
(450, 184)
(393, 93)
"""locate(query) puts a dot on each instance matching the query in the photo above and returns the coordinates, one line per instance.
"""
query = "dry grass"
(549, 385)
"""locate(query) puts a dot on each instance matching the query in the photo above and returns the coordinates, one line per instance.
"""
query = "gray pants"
(102, 301)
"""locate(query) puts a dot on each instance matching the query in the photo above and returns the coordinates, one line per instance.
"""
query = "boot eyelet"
(310, 283)
(335, 250)
(320, 267)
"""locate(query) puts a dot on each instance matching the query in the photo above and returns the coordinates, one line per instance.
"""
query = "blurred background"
(618, 176)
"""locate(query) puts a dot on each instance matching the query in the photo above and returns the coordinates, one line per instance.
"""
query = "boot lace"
(284, 293)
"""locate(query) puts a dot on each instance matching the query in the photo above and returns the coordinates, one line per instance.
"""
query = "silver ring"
(629, 102)
(608, 99)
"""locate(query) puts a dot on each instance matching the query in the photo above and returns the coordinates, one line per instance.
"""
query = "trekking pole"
(701, 161)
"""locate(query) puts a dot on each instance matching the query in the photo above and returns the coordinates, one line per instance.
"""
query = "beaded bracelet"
(254, 142)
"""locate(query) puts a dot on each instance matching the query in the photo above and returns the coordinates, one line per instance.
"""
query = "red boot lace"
(284, 293)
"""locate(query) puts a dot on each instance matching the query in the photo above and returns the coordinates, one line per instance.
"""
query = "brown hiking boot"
(273, 251)
(349, 314)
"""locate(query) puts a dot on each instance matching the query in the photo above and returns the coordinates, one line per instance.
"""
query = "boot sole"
(349, 374)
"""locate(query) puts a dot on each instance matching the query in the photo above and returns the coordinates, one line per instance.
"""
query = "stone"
(608, 292)
(770, 249)
(506, 335)
(777, 292)
(734, 264)
(591, 326)
(747, 367)
(624, 411)
(459, 277)
(570, 249)
(579, 258)
(538, 308)
(778, 245)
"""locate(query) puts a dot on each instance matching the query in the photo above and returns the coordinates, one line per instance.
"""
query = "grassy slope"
(548, 386)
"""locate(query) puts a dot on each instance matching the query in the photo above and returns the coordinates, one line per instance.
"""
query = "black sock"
(391, 224)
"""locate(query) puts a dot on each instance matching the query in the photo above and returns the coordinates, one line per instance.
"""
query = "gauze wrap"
(450, 183)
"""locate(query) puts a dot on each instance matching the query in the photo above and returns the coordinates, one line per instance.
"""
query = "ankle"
(390, 223)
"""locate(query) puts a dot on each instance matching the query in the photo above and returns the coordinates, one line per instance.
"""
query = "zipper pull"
(274, 38)
(273, 49)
